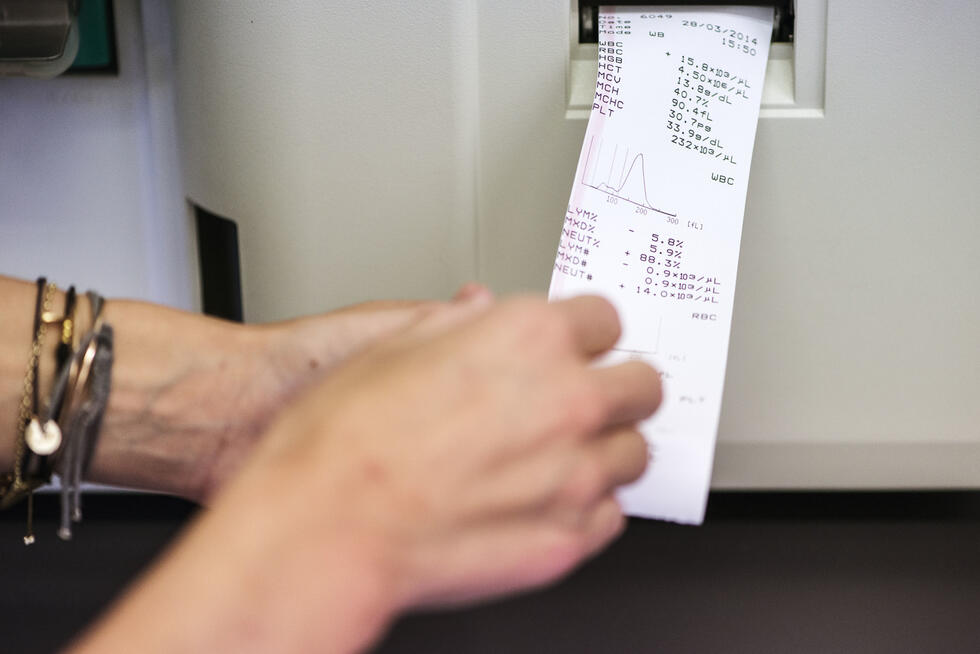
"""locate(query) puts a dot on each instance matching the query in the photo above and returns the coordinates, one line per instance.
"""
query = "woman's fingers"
(601, 466)
(593, 321)
(631, 390)
(604, 524)
(622, 455)
(472, 290)
(464, 308)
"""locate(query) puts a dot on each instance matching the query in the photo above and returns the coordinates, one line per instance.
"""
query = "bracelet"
(64, 435)
(88, 396)
(43, 435)
(67, 344)
(14, 486)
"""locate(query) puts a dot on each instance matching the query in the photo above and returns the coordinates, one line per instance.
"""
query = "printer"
(309, 155)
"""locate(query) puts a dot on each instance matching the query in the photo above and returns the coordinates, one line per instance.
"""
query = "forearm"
(190, 394)
(230, 585)
(181, 387)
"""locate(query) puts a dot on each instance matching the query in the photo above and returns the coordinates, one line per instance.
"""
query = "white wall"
(90, 190)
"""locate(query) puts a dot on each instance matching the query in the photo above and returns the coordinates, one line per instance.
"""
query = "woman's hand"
(286, 357)
(479, 448)
(474, 453)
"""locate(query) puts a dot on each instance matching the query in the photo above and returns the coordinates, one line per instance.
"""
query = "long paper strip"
(655, 218)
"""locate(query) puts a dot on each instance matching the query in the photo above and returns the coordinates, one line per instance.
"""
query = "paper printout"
(655, 218)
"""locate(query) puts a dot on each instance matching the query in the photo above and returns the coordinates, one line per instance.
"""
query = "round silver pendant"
(44, 439)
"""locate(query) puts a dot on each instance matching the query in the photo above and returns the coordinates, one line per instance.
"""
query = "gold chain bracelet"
(15, 486)
(26, 403)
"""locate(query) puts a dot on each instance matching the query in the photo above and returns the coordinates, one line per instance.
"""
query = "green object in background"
(97, 38)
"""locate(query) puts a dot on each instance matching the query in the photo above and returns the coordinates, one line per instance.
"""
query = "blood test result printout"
(654, 220)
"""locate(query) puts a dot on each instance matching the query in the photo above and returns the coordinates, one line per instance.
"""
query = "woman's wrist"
(187, 395)
(190, 395)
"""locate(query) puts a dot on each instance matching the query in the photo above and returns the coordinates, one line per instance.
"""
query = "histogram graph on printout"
(624, 172)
